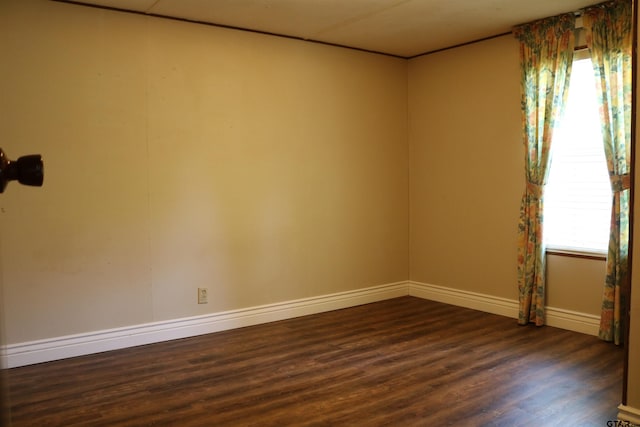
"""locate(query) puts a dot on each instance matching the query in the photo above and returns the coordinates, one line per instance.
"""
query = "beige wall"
(181, 156)
(575, 284)
(466, 178)
(266, 169)
(465, 167)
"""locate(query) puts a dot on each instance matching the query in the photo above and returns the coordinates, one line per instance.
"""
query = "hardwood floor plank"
(404, 361)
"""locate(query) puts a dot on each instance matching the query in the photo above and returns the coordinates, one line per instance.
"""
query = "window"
(578, 193)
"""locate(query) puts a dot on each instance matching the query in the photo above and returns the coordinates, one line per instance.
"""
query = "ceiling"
(404, 28)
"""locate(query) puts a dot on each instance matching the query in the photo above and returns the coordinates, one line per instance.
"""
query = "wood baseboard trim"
(629, 414)
(556, 317)
(28, 353)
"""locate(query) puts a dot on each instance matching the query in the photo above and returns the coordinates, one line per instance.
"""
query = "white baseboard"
(46, 350)
(629, 414)
(573, 321)
(556, 317)
(476, 301)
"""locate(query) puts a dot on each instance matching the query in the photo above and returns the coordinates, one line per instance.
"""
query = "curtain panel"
(609, 38)
(546, 56)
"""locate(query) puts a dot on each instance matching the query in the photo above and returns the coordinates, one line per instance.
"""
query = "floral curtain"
(546, 56)
(608, 33)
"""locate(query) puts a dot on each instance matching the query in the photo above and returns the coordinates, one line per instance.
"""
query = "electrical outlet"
(202, 296)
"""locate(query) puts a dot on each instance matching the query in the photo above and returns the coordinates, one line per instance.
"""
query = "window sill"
(577, 253)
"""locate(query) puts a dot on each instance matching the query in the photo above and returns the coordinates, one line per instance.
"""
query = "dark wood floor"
(401, 362)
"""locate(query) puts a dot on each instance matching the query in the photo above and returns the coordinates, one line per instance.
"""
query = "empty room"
(296, 212)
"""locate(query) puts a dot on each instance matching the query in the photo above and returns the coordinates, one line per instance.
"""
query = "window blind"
(578, 194)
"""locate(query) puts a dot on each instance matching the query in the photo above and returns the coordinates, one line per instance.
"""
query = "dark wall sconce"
(27, 170)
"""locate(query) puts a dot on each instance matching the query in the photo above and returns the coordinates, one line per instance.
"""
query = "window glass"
(578, 194)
